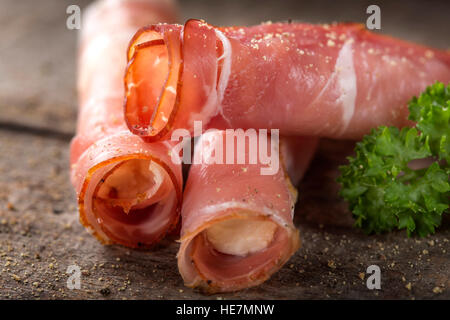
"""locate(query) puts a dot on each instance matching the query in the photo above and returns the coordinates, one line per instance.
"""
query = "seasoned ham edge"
(129, 192)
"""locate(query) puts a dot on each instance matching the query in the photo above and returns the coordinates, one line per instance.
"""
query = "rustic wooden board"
(39, 231)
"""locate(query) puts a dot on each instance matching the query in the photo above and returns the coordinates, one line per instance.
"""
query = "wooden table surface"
(40, 235)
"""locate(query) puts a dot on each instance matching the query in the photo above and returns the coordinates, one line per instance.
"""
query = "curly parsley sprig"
(383, 189)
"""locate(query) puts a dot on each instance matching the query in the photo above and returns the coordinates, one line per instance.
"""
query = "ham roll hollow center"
(134, 184)
(241, 237)
(159, 92)
(170, 70)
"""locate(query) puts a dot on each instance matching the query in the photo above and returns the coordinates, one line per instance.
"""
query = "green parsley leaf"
(431, 111)
(384, 189)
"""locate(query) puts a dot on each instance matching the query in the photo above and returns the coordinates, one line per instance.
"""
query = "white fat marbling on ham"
(346, 78)
(225, 72)
(226, 66)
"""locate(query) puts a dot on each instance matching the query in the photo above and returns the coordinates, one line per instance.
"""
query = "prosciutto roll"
(237, 227)
(129, 192)
(336, 80)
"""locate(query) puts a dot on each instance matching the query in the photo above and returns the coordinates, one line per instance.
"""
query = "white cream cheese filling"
(241, 237)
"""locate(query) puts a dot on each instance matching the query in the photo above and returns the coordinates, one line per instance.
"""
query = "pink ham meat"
(237, 227)
(129, 192)
(335, 80)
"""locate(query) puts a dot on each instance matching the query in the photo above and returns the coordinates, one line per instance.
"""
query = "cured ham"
(336, 80)
(129, 192)
(237, 227)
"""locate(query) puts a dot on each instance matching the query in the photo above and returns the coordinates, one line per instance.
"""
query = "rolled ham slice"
(129, 192)
(336, 80)
(237, 227)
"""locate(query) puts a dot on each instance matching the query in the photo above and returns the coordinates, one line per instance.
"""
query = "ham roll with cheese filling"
(237, 227)
(129, 192)
(335, 81)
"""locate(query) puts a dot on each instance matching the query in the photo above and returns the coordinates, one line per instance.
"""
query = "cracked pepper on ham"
(129, 192)
(336, 80)
(237, 227)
